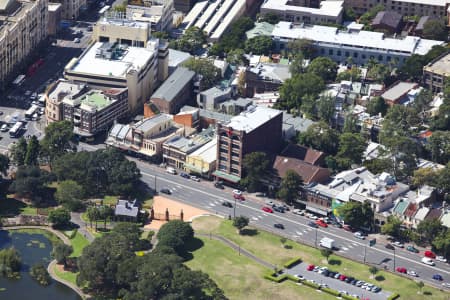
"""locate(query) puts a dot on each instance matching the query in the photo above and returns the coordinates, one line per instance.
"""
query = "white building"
(113, 65)
(360, 45)
(328, 11)
(158, 13)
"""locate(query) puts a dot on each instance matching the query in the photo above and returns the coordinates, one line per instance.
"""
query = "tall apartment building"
(71, 8)
(435, 8)
(114, 65)
(23, 26)
(257, 129)
(158, 13)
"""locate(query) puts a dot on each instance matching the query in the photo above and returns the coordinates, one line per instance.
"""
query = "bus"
(19, 80)
(31, 111)
(16, 129)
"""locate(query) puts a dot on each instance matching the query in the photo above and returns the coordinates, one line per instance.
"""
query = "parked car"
(237, 192)
(279, 209)
(238, 197)
(312, 224)
(375, 289)
(184, 175)
(347, 228)
(310, 267)
(390, 247)
(342, 277)
(267, 209)
(441, 258)
(359, 235)
(311, 216)
(413, 273)
(401, 270)
(429, 254)
(298, 212)
(398, 244)
(269, 202)
(428, 261)
(165, 191)
(446, 285)
(411, 248)
(4, 128)
(278, 225)
(322, 270)
(337, 224)
(219, 185)
(300, 277)
(76, 40)
(227, 204)
(337, 276)
(437, 277)
(321, 223)
(195, 178)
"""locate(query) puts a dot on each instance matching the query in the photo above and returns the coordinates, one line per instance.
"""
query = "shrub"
(293, 278)
(331, 291)
(347, 297)
(292, 262)
(311, 284)
(393, 296)
(272, 277)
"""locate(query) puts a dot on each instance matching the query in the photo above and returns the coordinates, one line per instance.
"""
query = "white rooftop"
(123, 22)
(252, 118)
(133, 58)
(327, 8)
(207, 152)
(65, 89)
(361, 39)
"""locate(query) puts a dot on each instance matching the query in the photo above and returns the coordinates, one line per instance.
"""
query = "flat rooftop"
(252, 118)
(360, 39)
(96, 99)
(131, 58)
(327, 8)
(440, 66)
(64, 89)
(398, 90)
(123, 23)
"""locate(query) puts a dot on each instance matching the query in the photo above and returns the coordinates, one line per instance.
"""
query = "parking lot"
(336, 284)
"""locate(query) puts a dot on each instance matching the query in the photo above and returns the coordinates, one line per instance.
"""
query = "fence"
(165, 216)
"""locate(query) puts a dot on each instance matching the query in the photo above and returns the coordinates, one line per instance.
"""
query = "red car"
(347, 228)
(238, 197)
(310, 267)
(321, 223)
(401, 270)
(429, 254)
(267, 209)
(342, 277)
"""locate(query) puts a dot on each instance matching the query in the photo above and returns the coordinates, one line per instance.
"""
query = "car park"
(227, 204)
(195, 178)
(412, 273)
(165, 191)
(441, 258)
(429, 254)
(437, 277)
(359, 235)
(278, 225)
(267, 209)
(312, 224)
(398, 244)
(411, 248)
(428, 261)
(321, 223)
(401, 270)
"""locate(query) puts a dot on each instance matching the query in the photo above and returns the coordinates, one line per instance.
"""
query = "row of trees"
(111, 269)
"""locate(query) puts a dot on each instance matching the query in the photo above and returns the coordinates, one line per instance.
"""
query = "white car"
(76, 40)
(398, 244)
(428, 261)
(441, 258)
(4, 128)
(322, 270)
(359, 235)
(300, 277)
(298, 212)
(195, 178)
(446, 284)
(413, 273)
(237, 192)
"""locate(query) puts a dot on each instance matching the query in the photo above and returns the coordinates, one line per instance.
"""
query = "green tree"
(105, 213)
(40, 274)
(378, 72)
(354, 74)
(323, 67)
(321, 137)
(442, 242)
(234, 38)
(326, 108)
(290, 187)
(326, 253)
(32, 155)
(61, 252)
(10, 262)
(367, 18)
(439, 146)
(269, 18)
(296, 88)
(4, 164)
(204, 67)
(350, 124)
(19, 151)
(57, 139)
(425, 176)
(376, 106)
(240, 223)
(351, 149)
(191, 41)
(93, 214)
(420, 285)
(297, 64)
(70, 194)
(378, 165)
(31, 182)
(373, 271)
(429, 229)
(256, 166)
(236, 57)
(303, 46)
(357, 214)
(259, 45)
(435, 29)
(175, 234)
(60, 217)
(392, 227)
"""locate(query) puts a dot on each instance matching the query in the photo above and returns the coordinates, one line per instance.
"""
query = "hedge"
(311, 284)
(393, 296)
(347, 297)
(271, 276)
(292, 262)
(331, 291)
(293, 278)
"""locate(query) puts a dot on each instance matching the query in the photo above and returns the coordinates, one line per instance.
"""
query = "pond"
(33, 248)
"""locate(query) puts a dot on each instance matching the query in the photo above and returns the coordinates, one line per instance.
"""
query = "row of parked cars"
(348, 279)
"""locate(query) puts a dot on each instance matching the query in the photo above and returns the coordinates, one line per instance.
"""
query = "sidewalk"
(51, 272)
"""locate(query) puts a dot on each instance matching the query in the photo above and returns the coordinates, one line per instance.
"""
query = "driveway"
(336, 284)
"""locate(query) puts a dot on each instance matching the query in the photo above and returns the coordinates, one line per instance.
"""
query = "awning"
(226, 176)
(317, 210)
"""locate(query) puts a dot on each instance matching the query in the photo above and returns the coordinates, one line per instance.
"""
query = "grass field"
(241, 278)
(68, 276)
(78, 243)
(264, 245)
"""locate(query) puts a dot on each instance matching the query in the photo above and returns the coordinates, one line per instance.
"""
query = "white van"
(171, 170)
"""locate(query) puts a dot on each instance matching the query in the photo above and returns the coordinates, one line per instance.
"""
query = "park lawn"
(110, 200)
(242, 278)
(28, 210)
(264, 245)
(78, 243)
(66, 275)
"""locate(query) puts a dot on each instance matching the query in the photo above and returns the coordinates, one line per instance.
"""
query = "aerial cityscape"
(225, 149)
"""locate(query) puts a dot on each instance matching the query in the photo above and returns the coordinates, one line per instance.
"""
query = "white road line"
(305, 225)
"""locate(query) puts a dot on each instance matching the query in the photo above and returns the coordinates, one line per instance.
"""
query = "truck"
(327, 243)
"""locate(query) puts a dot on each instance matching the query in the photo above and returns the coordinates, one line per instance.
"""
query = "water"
(33, 248)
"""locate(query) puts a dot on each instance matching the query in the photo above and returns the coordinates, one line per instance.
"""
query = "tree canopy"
(295, 89)
(57, 139)
(234, 38)
(290, 187)
(323, 67)
(356, 214)
(191, 41)
(259, 45)
(175, 234)
(240, 223)
(69, 193)
(321, 137)
(434, 29)
(60, 217)
(256, 166)
(204, 67)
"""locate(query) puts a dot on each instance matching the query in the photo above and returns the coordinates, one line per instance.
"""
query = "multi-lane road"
(205, 196)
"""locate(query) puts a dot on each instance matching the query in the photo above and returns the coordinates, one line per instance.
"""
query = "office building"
(360, 45)
(96, 110)
(299, 12)
(23, 26)
(158, 13)
(257, 129)
(114, 65)
(121, 30)
(54, 18)
(436, 72)
(71, 8)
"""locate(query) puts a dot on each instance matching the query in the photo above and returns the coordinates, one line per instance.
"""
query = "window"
(330, 52)
(339, 53)
(355, 54)
(347, 54)
(322, 51)
(380, 57)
